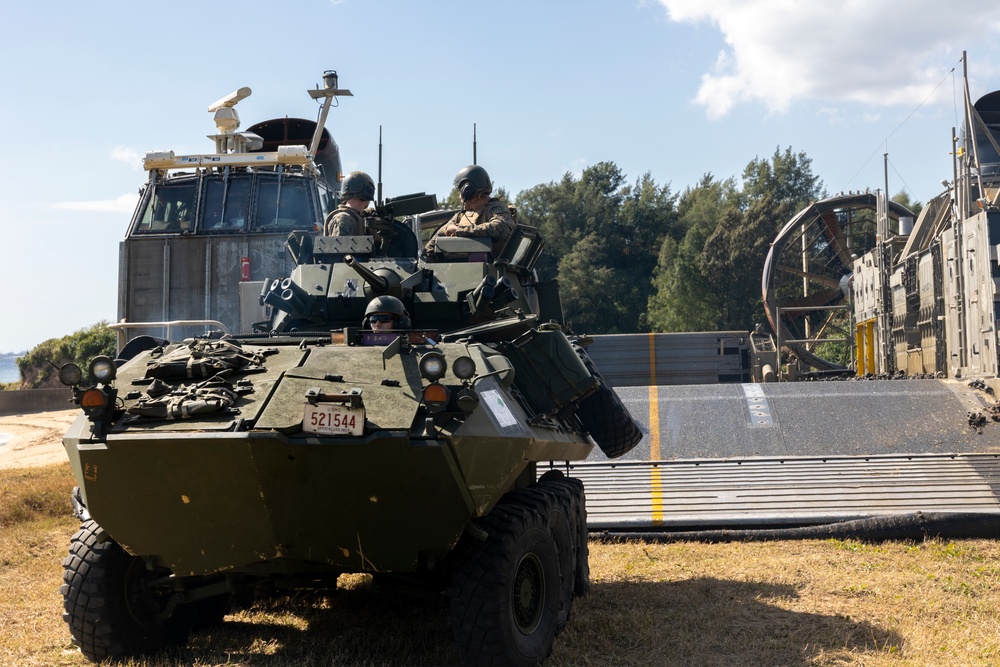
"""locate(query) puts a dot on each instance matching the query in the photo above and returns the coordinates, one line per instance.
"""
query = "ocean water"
(8, 369)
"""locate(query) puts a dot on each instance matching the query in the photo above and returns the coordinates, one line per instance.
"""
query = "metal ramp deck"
(783, 455)
(699, 494)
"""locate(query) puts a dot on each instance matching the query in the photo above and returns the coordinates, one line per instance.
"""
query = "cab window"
(284, 203)
(226, 205)
(169, 209)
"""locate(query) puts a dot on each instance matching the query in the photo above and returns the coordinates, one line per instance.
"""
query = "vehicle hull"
(249, 491)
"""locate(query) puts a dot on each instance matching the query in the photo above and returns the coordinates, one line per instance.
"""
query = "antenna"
(227, 121)
(882, 201)
(970, 132)
(885, 170)
(474, 144)
(230, 100)
(329, 91)
(379, 195)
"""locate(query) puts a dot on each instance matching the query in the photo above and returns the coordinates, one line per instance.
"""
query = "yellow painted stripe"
(655, 482)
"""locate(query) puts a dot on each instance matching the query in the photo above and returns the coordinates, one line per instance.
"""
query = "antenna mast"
(474, 144)
(329, 91)
(970, 138)
(379, 195)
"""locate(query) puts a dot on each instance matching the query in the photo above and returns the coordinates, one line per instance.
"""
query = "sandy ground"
(34, 439)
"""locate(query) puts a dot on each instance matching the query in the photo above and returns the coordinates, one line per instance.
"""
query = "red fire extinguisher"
(244, 269)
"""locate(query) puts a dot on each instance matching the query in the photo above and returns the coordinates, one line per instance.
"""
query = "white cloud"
(876, 52)
(123, 204)
(577, 166)
(129, 156)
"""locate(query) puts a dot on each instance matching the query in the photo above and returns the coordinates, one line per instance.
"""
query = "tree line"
(636, 256)
(40, 366)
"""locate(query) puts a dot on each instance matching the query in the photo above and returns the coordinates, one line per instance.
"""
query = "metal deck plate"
(793, 454)
(695, 494)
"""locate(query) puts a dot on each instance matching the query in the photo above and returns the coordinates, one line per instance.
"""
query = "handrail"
(121, 327)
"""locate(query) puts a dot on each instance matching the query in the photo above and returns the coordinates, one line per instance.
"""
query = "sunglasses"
(381, 318)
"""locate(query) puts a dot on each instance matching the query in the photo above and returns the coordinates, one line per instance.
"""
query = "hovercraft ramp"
(778, 455)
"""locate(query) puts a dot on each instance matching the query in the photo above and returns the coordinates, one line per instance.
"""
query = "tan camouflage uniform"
(344, 221)
(493, 220)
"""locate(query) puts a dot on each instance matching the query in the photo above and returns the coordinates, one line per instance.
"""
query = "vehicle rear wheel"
(109, 603)
(505, 590)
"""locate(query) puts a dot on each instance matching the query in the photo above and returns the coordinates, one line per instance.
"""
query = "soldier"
(356, 192)
(481, 214)
(385, 313)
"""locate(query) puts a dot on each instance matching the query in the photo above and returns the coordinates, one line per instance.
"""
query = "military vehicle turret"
(316, 446)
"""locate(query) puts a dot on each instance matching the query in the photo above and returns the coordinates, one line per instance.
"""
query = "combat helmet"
(357, 184)
(387, 304)
(472, 181)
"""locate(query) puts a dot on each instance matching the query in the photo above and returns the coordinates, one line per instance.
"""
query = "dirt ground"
(34, 439)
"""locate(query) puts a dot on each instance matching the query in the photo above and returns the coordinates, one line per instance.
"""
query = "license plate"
(333, 419)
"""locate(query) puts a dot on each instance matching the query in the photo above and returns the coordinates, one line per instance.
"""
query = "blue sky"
(677, 88)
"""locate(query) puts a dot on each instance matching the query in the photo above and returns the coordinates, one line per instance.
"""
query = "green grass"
(823, 603)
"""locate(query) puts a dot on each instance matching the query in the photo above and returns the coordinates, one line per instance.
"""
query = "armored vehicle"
(315, 446)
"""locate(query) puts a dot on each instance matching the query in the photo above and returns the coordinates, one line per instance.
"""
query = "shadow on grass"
(709, 622)
(370, 626)
(705, 622)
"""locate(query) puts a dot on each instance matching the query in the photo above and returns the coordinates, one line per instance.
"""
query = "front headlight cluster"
(102, 370)
(97, 400)
(433, 366)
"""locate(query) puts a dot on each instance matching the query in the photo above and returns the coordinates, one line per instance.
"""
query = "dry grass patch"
(819, 603)
(790, 603)
(36, 523)
(27, 494)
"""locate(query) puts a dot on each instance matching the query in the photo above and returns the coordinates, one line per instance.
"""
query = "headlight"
(103, 370)
(93, 402)
(436, 397)
(464, 368)
(70, 375)
(432, 366)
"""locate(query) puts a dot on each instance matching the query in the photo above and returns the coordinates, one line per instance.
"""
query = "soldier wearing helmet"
(481, 215)
(356, 191)
(385, 313)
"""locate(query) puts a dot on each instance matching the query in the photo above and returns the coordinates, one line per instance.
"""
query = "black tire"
(109, 609)
(552, 503)
(605, 417)
(505, 590)
(210, 612)
(578, 513)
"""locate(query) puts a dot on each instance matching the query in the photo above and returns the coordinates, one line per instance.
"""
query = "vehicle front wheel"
(577, 511)
(505, 590)
(109, 602)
